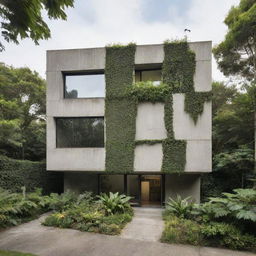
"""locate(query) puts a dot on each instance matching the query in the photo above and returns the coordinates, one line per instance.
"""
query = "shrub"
(17, 173)
(227, 235)
(115, 203)
(83, 213)
(183, 231)
(180, 207)
(239, 205)
(18, 207)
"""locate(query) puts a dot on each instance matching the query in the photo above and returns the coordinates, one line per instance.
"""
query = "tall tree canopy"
(236, 55)
(23, 18)
(22, 113)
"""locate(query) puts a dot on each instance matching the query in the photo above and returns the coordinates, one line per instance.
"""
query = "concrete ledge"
(76, 159)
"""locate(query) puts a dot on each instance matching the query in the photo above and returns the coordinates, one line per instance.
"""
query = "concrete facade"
(149, 122)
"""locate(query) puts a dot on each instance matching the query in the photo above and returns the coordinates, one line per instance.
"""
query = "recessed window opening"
(154, 76)
(84, 85)
(80, 132)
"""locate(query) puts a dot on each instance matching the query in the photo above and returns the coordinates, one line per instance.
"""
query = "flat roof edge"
(140, 45)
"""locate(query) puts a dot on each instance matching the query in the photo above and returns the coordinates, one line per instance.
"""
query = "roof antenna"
(186, 31)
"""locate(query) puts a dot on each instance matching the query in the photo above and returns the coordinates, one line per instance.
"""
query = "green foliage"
(23, 19)
(120, 112)
(85, 213)
(174, 156)
(17, 173)
(22, 113)
(115, 203)
(227, 235)
(11, 253)
(236, 207)
(233, 112)
(146, 91)
(236, 54)
(16, 208)
(228, 221)
(122, 98)
(233, 130)
(194, 103)
(147, 142)
(179, 207)
(239, 205)
(184, 231)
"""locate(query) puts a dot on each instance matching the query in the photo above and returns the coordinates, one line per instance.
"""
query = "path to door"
(146, 225)
(48, 241)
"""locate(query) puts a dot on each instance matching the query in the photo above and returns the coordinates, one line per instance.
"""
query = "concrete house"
(133, 119)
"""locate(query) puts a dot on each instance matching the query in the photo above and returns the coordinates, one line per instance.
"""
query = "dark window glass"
(80, 132)
(84, 86)
(148, 75)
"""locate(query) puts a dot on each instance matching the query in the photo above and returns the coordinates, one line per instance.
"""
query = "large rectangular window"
(80, 132)
(88, 85)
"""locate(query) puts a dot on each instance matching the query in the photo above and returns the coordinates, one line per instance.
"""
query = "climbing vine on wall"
(122, 97)
(120, 111)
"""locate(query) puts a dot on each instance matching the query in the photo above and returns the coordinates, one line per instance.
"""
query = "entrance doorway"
(150, 190)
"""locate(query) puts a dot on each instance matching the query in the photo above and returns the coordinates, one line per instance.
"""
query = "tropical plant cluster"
(106, 214)
(16, 208)
(228, 221)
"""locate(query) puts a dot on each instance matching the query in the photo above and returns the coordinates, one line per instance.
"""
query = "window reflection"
(148, 75)
(84, 86)
(80, 132)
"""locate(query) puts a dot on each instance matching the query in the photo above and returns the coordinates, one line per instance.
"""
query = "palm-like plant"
(180, 207)
(114, 202)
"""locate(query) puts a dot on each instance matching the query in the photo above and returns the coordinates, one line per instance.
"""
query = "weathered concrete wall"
(149, 121)
(198, 136)
(148, 158)
(72, 159)
(184, 185)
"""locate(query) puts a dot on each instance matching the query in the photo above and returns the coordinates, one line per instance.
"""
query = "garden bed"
(226, 222)
(108, 215)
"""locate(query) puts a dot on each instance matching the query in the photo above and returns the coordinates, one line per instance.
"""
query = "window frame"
(140, 70)
(78, 117)
(81, 73)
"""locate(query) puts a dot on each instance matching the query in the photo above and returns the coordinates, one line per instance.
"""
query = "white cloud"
(99, 22)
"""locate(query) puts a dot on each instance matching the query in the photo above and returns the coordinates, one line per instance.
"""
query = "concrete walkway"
(48, 241)
(146, 225)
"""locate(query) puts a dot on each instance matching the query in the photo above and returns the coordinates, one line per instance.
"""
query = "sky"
(96, 23)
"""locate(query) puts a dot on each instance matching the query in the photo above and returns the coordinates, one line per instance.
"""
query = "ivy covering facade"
(120, 111)
(122, 98)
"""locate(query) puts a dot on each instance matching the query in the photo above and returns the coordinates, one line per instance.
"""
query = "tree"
(236, 55)
(23, 18)
(232, 119)
(232, 137)
(22, 113)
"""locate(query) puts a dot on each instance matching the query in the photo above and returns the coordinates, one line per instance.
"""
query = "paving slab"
(34, 238)
(146, 225)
